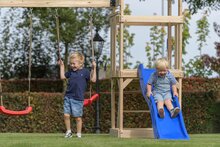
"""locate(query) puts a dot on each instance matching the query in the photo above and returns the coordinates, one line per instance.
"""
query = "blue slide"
(167, 127)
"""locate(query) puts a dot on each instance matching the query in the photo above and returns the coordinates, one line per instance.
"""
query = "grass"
(103, 140)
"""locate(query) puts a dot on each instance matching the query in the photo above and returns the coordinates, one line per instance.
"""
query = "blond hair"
(161, 63)
(78, 56)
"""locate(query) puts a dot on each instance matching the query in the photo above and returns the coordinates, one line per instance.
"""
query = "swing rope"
(92, 98)
(91, 32)
(29, 108)
(92, 45)
(95, 96)
(58, 33)
(1, 89)
(30, 58)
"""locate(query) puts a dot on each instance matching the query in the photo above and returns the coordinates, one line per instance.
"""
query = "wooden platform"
(150, 20)
(133, 73)
(132, 133)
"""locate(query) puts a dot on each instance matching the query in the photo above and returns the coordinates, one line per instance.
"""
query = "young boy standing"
(77, 76)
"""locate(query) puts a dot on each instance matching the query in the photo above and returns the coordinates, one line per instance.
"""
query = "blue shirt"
(77, 83)
(162, 84)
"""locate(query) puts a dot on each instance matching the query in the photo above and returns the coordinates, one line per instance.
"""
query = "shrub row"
(200, 110)
(56, 85)
(199, 97)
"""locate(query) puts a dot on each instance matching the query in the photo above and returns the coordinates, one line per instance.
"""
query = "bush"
(200, 109)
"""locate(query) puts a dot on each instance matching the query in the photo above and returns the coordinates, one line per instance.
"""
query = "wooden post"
(169, 35)
(180, 50)
(121, 64)
(113, 66)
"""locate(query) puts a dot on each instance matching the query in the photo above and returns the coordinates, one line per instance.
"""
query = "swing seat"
(89, 101)
(12, 112)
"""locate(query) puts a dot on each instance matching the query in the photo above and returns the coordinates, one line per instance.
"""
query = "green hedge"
(47, 114)
(200, 109)
(37, 85)
(200, 112)
(56, 85)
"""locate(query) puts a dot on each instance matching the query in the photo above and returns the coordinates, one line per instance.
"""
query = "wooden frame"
(125, 76)
(55, 3)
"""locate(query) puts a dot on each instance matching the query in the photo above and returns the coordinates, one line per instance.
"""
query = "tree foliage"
(202, 31)
(213, 63)
(74, 27)
(74, 36)
(154, 47)
(128, 41)
(195, 5)
(186, 33)
(197, 66)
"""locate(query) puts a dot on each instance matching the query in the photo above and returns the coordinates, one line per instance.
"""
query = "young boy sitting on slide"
(162, 81)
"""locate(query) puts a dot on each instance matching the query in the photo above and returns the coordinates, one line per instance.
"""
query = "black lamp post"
(98, 43)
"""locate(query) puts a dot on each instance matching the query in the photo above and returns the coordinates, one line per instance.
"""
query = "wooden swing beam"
(56, 3)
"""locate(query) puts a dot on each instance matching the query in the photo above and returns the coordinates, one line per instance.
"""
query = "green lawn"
(93, 140)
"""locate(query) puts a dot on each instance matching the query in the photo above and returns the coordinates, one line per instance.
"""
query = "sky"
(148, 8)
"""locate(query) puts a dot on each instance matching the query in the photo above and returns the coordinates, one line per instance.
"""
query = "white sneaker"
(78, 135)
(174, 112)
(68, 135)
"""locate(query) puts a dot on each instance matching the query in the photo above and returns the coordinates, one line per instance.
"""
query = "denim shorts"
(162, 96)
(73, 107)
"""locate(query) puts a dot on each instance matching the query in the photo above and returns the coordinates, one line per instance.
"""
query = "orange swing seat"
(89, 101)
(12, 112)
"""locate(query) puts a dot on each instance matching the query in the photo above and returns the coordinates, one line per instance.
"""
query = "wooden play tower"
(121, 76)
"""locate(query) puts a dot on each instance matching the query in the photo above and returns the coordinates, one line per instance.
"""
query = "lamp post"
(98, 43)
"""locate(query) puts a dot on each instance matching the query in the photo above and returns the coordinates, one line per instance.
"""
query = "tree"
(153, 48)
(74, 32)
(195, 5)
(197, 63)
(42, 50)
(128, 40)
(197, 68)
(186, 34)
(74, 27)
(202, 31)
(9, 43)
(213, 63)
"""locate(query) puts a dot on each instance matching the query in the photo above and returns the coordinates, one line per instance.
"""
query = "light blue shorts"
(73, 107)
(162, 96)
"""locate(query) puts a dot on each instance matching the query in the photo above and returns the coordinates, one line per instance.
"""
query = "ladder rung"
(136, 111)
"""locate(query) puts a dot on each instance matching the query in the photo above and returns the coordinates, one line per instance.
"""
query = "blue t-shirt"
(162, 84)
(77, 83)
